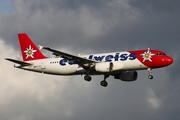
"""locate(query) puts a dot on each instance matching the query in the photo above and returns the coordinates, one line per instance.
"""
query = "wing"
(70, 57)
(18, 62)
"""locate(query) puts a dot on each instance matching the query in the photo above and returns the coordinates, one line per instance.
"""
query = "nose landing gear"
(150, 73)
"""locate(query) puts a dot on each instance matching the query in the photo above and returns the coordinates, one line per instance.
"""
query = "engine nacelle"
(103, 67)
(108, 66)
(127, 76)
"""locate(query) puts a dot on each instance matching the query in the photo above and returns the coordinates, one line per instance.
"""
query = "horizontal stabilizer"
(18, 62)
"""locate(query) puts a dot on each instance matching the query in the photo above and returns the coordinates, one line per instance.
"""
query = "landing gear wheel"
(104, 83)
(150, 73)
(87, 78)
(150, 77)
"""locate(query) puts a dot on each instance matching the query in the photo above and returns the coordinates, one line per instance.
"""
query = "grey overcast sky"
(90, 26)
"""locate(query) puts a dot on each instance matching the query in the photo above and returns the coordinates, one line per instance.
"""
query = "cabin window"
(160, 54)
(54, 62)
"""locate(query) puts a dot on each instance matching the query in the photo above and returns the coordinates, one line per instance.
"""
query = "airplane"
(122, 65)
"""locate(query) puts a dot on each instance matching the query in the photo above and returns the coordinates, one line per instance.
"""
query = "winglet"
(40, 47)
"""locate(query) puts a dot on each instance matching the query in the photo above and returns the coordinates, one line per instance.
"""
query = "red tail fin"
(28, 49)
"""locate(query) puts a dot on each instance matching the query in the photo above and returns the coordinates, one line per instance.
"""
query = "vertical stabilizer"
(28, 49)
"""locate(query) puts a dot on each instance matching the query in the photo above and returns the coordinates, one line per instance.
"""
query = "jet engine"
(108, 66)
(127, 76)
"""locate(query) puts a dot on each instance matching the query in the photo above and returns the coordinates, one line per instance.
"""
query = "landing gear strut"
(150, 73)
(87, 78)
(104, 83)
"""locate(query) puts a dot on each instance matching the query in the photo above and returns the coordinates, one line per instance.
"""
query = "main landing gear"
(87, 78)
(150, 73)
(103, 83)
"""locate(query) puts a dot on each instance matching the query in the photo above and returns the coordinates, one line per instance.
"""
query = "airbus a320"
(121, 65)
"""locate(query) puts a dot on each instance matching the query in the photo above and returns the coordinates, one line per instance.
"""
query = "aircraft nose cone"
(168, 60)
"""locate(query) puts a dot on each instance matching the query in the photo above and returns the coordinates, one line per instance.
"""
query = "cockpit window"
(160, 54)
(163, 53)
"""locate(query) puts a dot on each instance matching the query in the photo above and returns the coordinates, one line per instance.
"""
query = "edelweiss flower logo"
(147, 55)
(30, 52)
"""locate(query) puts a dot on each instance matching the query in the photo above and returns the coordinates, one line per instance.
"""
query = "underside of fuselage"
(79, 71)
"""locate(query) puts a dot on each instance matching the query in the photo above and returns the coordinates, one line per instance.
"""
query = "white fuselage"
(61, 66)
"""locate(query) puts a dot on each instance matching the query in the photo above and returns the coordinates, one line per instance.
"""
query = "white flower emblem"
(30, 52)
(147, 55)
